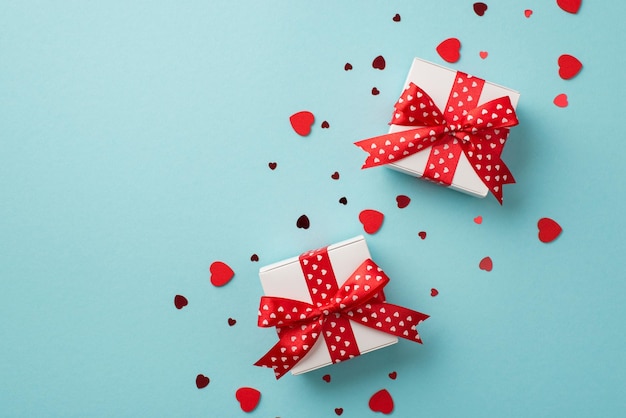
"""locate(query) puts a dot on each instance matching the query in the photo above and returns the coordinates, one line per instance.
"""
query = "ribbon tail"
(392, 319)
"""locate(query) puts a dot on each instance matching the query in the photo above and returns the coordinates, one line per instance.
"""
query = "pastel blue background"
(135, 139)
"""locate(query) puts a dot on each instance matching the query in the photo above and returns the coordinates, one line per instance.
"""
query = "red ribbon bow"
(480, 132)
(300, 324)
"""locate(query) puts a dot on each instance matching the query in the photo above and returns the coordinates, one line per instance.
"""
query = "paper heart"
(379, 63)
(403, 201)
(338, 411)
(248, 398)
(393, 375)
(483, 54)
(561, 100)
(569, 66)
(303, 222)
(272, 165)
(180, 301)
(434, 292)
(221, 273)
(478, 220)
(449, 50)
(335, 175)
(570, 6)
(396, 18)
(202, 381)
(301, 122)
(528, 13)
(381, 401)
(486, 264)
(549, 229)
(231, 321)
(372, 220)
(480, 8)
(326, 378)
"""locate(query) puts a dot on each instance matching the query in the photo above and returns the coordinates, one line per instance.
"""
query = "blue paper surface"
(135, 139)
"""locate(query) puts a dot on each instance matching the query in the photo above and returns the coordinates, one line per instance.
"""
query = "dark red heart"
(326, 378)
(449, 50)
(303, 222)
(202, 381)
(434, 292)
(372, 220)
(301, 122)
(231, 321)
(549, 230)
(379, 63)
(343, 200)
(180, 301)
(254, 257)
(397, 18)
(375, 91)
(403, 201)
(569, 66)
(480, 8)
(221, 273)
(335, 176)
(422, 234)
(272, 166)
(393, 375)
(325, 125)
(338, 411)
(347, 67)
(561, 100)
(248, 398)
(486, 264)
(570, 6)
(381, 401)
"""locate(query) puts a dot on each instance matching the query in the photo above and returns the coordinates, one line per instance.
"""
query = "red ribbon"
(479, 132)
(360, 298)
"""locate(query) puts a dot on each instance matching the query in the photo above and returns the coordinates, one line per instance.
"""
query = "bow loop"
(497, 113)
(416, 108)
(281, 312)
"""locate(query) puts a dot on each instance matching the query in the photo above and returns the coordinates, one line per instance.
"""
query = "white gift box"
(285, 279)
(437, 81)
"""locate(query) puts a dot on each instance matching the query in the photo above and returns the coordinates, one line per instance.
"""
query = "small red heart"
(335, 176)
(549, 230)
(347, 67)
(403, 201)
(221, 273)
(272, 166)
(375, 91)
(486, 264)
(478, 220)
(434, 292)
(326, 378)
(528, 13)
(372, 220)
(202, 381)
(480, 8)
(569, 66)
(381, 401)
(449, 50)
(248, 398)
(393, 375)
(483, 54)
(180, 301)
(301, 122)
(254, 257)
(343, 200)
(570, 6)
(338, 411)
(303, 222)
(379, 63)
(231, 321)
(422, 234)
(561, 100)
(325, 125)
(396, 18)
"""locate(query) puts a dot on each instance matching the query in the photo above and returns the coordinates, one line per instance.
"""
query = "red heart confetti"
(221, 273)
(434, 292)
(335, 176)
(180, 301)
(549, 229)
(248, 398)
(338, 411)
(325, 125)
(403, 201)
(480, 8)
(254, 257)
(478, 220)
(561, 100)
(569, 66)
(303, 222)
(381, 401)
(326, 378)
(379, 63)
(396, 18)
(301, 122)
(272, 165)
(528, 13)
(393, 375)
(486, 264)
(483, 54)
(343, 200)
(231, 321)
(570, 6)
(202, 381)
(347, 67)
(449, 50)
(375, 91)
(422, 234)
(372, 220)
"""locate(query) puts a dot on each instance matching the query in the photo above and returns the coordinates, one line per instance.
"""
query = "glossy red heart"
(372, 220)
(231, 321)
(221, 273)
(347, 67)
(381, 401)
(375, 91)
(449, 50)
(248, 398)
(434, 292)
(478, 220)
(338, 411)
(335, 175)
(272, 165)
(301, 122)
(326, 378)
(325, 125)
(393, 375)
(480, 8)
(202, 381)
(303, 222)
(486, 264)
(422, 234)
(180, 301)
(343, 200)
(549, 230)
(403, 201)
(561, 100)
(379, 63)
(570, 6)
(254, 258)
(569, 66)
(396, 18)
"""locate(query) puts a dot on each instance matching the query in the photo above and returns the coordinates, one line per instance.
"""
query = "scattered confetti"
(254, 257)
(375, 91)
(393, 375)
(480, 8)
(231, 321)
(221, 273)
(248, 398)
(483, 54)
(434, 292)
(449, 50)
(347, 67)
(486, 264)
(569, 66)
(561, 100)
(180, 301)
(326, 378)
(422, 234)
(403, 201)
(396, 18)
(303, 222)
(335, 175)
(570, 6)
(202, 381)
(372, 220)
(343, 200)
(338, 411)
(325, 125)
(379, 63)
(381, 401)
(272, 165)
(549, 230)
(528, 13)
(301, 122)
